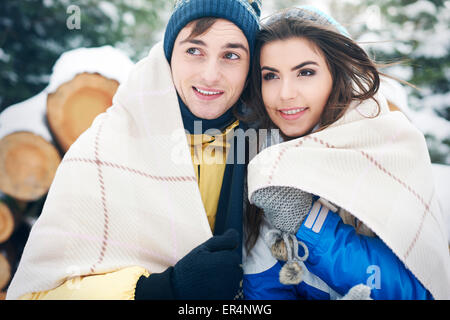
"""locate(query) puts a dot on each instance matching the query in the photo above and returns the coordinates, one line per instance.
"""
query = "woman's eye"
(306, 73)
(231, 56)
(269, 76)
(193, 51)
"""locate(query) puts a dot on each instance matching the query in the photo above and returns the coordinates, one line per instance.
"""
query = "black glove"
(210, 271)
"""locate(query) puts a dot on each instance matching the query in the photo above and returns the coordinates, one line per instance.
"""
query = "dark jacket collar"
(189, 119)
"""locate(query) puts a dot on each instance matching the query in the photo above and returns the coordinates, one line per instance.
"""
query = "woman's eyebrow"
(301, 65)
(269, 68)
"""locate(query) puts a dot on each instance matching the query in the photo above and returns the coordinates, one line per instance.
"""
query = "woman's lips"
(292, 113)
(207, 94)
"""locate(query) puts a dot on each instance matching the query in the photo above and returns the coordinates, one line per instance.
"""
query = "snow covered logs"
(11, 212)
(35, 133)
(82, 86)
(28, 158)
(75, 104)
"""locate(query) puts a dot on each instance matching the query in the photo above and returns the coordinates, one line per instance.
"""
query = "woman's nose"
(288, 90)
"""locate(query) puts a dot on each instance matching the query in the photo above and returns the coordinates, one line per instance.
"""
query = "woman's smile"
(292, 113)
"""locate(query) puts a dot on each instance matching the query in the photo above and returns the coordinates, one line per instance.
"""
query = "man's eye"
(269, 76)
(193, 51)
(231, 56)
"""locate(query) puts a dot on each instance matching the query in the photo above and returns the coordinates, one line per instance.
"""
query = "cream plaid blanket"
(378, 170)
(125, 194)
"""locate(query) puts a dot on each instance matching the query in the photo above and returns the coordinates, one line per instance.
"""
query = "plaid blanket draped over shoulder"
(125, 193)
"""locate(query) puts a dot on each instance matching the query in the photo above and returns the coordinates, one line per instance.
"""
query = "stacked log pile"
(36, 133)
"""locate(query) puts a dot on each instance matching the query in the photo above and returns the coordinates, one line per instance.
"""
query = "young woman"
(347, 198)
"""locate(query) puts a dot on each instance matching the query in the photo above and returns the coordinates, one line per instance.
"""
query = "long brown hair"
(355, 77)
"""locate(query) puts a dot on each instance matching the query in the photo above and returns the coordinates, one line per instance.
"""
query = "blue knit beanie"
(243, 13)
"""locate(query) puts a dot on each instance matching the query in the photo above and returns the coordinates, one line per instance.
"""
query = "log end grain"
(72, 108)
(5, 271)
(28, 164)
(6, 222)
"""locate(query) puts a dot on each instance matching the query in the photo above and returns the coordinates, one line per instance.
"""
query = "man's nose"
(211, 72)
(288, 90)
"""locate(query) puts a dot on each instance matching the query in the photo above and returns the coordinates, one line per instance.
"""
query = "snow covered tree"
(34, 33)
(416, 33)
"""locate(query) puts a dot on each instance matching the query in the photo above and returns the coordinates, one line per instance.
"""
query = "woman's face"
(295, 84)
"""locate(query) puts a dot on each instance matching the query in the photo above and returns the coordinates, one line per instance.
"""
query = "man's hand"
(210, 271)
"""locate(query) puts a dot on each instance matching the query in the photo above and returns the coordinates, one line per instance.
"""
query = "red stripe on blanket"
(105, 208)
(131, 170)
(416, 236)
(277, 161)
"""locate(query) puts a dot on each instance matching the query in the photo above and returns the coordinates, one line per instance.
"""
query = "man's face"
(209, 70)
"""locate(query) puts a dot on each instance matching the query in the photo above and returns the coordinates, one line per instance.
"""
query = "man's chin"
(210, 114)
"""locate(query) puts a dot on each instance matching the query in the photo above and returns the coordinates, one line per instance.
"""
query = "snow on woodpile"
(30, 115)
(107, 61)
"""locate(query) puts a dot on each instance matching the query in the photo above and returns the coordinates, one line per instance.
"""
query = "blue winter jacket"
(339, 259)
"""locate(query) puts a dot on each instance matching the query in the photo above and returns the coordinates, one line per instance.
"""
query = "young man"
(136, 210)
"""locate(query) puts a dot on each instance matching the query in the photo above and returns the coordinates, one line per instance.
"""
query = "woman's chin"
(292, 134)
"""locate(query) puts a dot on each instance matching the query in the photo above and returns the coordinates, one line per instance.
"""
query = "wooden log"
(28, 165)
(5, 271)
(72, 108)
(11, 253)
(7, 222)
(11, 214)
(23, 132)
